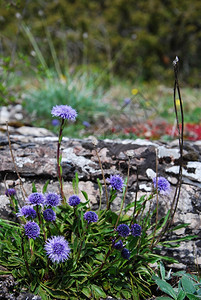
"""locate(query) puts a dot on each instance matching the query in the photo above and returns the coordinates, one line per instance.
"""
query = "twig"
(124, 194)
(136, 192)
(154, 234)
(181, 137)
(13, 160)
(100, 164)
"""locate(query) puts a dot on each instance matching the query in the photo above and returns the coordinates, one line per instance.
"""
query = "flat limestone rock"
(35, 158)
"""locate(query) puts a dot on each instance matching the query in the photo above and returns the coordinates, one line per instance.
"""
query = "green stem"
(40, 222)
(103, 263)
(124, 195)
(58, 161)
(80, 248)
(25, 260)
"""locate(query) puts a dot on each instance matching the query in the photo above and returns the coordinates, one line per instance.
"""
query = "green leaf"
(181, 295)
(58, 294)
(98, 291)
(85, 195)
(162, 270)
(184, 225)
(163, 298)
(34, 189)
(187, 285)
(126, 294)
(166, 288)
(192, 296)
(6, 272)
(45, 186)
(75, 183)
(87, 292)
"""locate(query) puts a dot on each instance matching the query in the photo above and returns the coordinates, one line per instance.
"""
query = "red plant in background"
(157, 129)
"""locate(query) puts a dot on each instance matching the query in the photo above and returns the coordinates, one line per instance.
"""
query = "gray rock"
(35, 157)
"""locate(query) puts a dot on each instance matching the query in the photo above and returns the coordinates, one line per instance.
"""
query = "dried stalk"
(24, 194)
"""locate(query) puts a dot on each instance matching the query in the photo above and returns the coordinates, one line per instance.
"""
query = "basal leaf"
(166, 288)
(45, 186)
(98, 291)
(193, 297)
(87, 292)
(187, 285)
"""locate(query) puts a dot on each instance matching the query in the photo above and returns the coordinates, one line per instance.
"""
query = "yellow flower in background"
(134, 91)
(63, 79)
(178, 102)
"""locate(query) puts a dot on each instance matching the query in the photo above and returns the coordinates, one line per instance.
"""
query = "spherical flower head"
(32, 230)
(125, 253)
(57, 249)
(123, 230)
(127, 101)
(55, 122)
(36, 199)
(10, 192)
(162, 184)
(116, 182)
(118, 245)
(90, 217)
(64, 112)
(49, 215)
(136, 230)
(52, 199)
(27, 211)
(86, 124)
(73, 200)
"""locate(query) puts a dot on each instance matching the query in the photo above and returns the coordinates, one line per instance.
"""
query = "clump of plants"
(185, 286)
(62, 249)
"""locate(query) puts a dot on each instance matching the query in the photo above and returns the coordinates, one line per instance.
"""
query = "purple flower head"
(116, 182)
(118, 245)
(73, 200)
(55, 122)
(123, 230)
(162, 184)
(64, 112)
(10, 192)
(57, 249)
(136, 230)
(32, 230)
(36, 199)
(52, 199)
(91, 216)
(27, 211)
(125, 253)
(86, 124)
(49, 215)
(127, 101)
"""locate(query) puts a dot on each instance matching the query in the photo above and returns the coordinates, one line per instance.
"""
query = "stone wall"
(35, 157)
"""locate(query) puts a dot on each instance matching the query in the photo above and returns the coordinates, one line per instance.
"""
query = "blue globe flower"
(116, 182)
(162, 184)
(123, 230)
(32, 230)
(74, 200)
(64, 112)
(10, 192)
(36, 199)
(27, 211)
(125, 253)
(90, 217)
(136, 230)
(49, 215)
(57, 249)
(118, 245)
(52, 199)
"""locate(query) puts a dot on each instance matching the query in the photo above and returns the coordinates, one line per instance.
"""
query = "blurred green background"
(91, 54)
